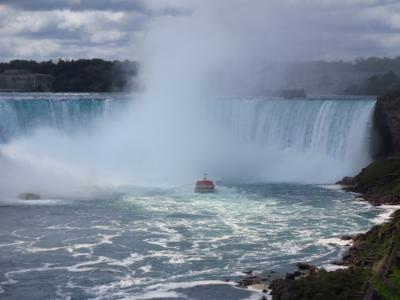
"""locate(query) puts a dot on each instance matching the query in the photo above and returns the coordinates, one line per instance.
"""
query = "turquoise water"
(23, 112)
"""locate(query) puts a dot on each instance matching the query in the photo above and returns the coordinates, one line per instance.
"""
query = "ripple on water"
(174, 243)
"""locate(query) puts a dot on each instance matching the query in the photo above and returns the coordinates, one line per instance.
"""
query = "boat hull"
(204, 190)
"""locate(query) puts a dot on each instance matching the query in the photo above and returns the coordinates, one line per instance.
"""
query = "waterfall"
(21, 116)
(325, 138)
(269, 140)
(336, 128)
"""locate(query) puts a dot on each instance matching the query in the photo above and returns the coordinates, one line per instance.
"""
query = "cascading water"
(258, 140)
(333, 127)
(22, 113)
(322, 139)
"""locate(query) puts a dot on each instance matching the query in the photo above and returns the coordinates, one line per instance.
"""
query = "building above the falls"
(25, 81)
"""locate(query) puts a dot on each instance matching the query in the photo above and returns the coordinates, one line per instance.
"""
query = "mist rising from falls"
(258, 140)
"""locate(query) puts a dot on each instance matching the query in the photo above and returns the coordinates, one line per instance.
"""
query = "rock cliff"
(387, 123)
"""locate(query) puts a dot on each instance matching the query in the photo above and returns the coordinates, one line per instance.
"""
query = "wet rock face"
(347, 182)
(387, 124)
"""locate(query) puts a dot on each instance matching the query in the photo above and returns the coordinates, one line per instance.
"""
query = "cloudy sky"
(117, 29)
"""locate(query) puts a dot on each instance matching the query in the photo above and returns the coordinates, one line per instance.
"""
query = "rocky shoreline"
(373, 260)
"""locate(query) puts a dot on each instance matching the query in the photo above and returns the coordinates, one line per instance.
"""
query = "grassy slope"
(381, 178)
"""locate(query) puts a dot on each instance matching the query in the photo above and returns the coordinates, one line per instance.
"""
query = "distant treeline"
(370, 76)
(362, 65)
(82, 75)
(364, 76)
(375, 85)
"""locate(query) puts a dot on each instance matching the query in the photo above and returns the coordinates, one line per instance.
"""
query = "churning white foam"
(387, 211)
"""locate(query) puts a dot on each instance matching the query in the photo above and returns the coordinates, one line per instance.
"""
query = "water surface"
(144, 243)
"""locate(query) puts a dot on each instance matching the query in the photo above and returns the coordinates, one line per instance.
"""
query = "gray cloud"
(330, 29)
(148, 7)
(77, 5)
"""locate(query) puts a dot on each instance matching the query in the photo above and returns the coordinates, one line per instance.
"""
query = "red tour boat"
(205, 186)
